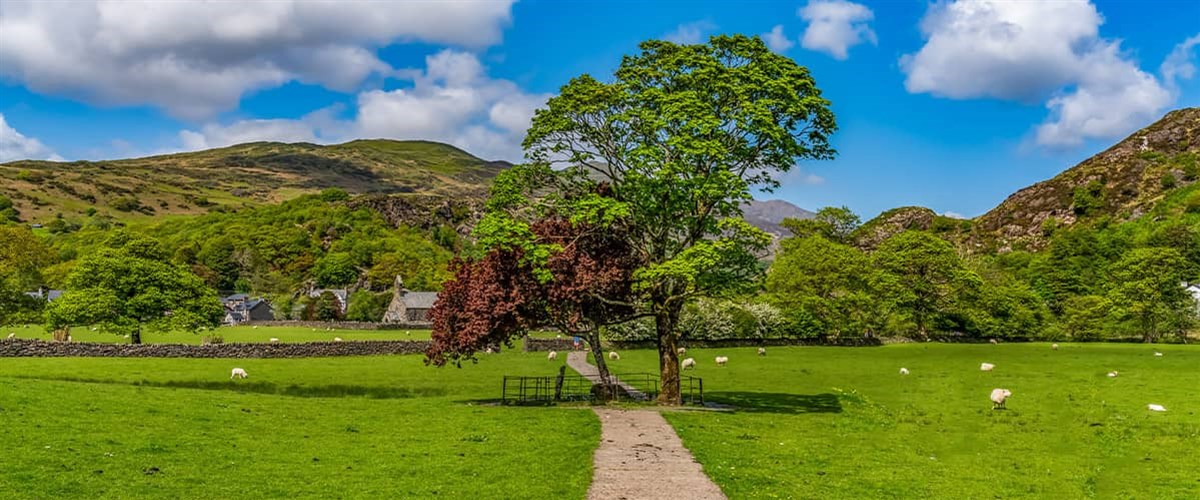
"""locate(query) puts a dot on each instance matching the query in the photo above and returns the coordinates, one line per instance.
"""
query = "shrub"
(126, 204)
(1167, 181)
(212, 339)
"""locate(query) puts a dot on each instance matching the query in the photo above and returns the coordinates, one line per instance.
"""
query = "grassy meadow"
(304, 428)
(806, 422)
(827, 422)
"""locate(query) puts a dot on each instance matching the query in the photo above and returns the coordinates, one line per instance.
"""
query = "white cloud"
(1178, 65)
(15, 146)
(690, 33)
(451, 100)
(836, 25)
(195, 58)
(776, 40)
(1035, 51)
(954, 215)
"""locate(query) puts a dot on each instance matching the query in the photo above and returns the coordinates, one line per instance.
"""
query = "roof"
(236, 296)
(339, 292)
(48, 294)
(419, 300)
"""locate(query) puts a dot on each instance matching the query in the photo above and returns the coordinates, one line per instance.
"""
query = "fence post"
(558, 382)
(504, 390)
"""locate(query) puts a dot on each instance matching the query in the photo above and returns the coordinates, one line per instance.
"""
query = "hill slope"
(1123, 182)
(242, 175)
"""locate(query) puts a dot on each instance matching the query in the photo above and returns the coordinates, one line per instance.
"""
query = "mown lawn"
(382, 427)
(842, 423)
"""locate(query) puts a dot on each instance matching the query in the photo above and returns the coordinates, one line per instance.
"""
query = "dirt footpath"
(641, 457)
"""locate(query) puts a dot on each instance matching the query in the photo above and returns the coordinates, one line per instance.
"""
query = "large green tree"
(671, 148)
(826, 279)
(923, 276)
(22, 255)
(1146, 285)
(129, 286)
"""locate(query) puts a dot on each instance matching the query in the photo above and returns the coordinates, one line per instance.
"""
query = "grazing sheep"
(93, 328)
(987, 367)
(490, 351)
(337, 339)
(1112, 374)
(721, 360)
(689, 363)
(681, 351)
(1158, 354)
(238, 373)
(274, 340)
(614, 356)
(1054, 346)
(904, 371)
(255, 327)
(552, 356)
(1154, 407)
(993, 341)
(999, 396)
(126, 336)
(12, 335)
(762, 351)
(559, 336)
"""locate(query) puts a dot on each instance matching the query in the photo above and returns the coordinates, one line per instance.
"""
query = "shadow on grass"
(316, 391)
(770, 402)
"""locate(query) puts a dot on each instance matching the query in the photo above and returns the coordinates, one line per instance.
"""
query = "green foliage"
(332, 195)
(129, 286)
(335, 269)
(22, 256)
(832, 223)
(1146, 289)
(8, 212)
(1168, 181)
(126, 204)
(1087, 199)
(368, 306)
(1086, 317)
(922, 276)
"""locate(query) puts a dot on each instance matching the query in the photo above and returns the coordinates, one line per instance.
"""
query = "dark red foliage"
(498, 298)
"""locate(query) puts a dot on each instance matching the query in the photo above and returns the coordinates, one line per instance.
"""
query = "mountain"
(768, 215)
(1123, 182)
(242, 175)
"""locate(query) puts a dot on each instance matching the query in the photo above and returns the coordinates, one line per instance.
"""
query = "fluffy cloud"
(15, 146)
(776, 40)
(1036, 51)
(197, 58)
(836, 25)
(1178, 65)
(690, 33)
(451, 100)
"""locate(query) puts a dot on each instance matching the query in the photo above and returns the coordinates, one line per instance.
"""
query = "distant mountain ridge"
(242, 175)
(768, 215)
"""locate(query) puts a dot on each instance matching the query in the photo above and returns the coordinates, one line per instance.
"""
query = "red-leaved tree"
(584, 285)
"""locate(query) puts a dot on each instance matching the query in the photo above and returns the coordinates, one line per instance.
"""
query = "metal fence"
(576, 388)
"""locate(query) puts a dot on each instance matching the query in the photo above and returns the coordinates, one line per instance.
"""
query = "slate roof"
(419, 300)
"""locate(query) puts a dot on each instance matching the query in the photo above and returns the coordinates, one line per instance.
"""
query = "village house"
(240, 308)
(408, 306)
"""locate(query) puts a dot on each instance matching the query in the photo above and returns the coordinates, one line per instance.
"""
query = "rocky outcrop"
(426, 211)
(891, 223)
(38, 348)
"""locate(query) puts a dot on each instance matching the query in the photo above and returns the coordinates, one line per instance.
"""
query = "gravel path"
(641, 457)
(577, 360)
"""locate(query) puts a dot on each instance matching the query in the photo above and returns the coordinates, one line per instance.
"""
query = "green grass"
(313, 428)
(842, 423)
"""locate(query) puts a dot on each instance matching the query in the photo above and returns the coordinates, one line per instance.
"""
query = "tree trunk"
(593, 340)
(665, 322)
(136, 336)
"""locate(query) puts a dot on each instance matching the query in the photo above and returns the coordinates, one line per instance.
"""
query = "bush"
(1192, 204)
(1168, 181)
(126, 204)
(368, 306)
(212, 339)
(334, 194)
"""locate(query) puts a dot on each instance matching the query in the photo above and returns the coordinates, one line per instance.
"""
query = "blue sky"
(950, 105)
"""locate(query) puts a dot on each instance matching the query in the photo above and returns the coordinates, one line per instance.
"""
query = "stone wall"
(342, 325)
(38, 348)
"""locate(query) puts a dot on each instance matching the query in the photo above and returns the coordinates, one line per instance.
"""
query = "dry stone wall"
(39, 348)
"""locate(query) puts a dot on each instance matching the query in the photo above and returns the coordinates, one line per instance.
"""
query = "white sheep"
(93, 329)
(904, 371)
(337, 339)
(721, 360)
(1158, 354)
(614, 356)
(999, 396)
(1112, 374)
(1154, 407)
(238, 373)
(987, 367)
(553, 355)
(762, 351)
(255, 327)
(274, 340)
(1054, 346)
(12, 335)
(689, 363)
(681, 351)
(994, 341)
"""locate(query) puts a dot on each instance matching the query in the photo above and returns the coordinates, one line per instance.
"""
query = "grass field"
(842, 423)
(808, 422)
(325, 427)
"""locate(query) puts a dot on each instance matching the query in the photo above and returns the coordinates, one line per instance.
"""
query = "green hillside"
(237, 176)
